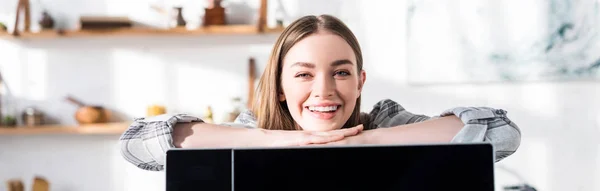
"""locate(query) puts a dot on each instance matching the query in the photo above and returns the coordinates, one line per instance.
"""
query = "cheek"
(348, 89)
(295, 92)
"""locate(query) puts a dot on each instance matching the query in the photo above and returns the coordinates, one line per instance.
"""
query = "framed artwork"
(487, 41)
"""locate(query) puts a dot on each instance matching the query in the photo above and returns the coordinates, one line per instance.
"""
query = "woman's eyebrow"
(311, 65)
(341, 62)
(303, 64)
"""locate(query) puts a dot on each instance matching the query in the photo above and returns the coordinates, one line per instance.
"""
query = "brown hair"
(270, 112)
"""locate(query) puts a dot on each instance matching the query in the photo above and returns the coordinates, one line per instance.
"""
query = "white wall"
(559, 121)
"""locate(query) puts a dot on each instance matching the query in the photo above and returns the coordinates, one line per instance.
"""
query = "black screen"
(198, 170)
(424, 167)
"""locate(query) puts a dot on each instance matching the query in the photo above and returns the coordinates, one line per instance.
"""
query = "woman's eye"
(302, 75)
(342, 73)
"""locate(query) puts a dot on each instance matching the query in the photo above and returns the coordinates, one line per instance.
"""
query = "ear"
(361, 82)
(281, 96)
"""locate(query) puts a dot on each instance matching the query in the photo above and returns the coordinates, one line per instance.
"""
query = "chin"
(320, 121)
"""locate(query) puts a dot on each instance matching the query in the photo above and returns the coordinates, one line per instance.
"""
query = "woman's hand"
(364, 137)
(300, 138)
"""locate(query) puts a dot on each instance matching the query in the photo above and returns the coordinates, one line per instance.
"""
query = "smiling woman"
(318, 64)
(310, 94)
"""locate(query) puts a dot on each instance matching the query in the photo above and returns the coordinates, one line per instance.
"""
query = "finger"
(308, 139)
(360, 127)
(317, 139)
(353, 131)
(345, 132)
(340, 142)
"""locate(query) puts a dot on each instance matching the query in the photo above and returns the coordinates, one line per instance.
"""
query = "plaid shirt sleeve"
(482, 124)
(146, 141)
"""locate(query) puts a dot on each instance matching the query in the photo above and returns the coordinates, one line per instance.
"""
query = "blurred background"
(84, 69)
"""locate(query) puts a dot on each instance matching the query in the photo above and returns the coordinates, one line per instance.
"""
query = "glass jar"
(32, 117)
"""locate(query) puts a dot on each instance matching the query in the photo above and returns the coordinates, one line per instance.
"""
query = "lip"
(323, 116)
(323, 104)
(320, 115)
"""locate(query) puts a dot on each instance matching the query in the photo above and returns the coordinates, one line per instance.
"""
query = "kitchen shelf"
(179, 31)
(90, 129)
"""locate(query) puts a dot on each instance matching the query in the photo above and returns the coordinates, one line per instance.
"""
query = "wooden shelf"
(180, 31)
(91, 129)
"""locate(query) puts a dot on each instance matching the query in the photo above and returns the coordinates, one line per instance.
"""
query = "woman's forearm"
(438, 130)
(203, 135)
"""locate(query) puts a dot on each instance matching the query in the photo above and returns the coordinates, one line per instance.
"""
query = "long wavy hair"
(269, 111)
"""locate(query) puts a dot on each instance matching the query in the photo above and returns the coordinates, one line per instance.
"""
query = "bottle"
(208, 115)
(280, 14)
(180, 20)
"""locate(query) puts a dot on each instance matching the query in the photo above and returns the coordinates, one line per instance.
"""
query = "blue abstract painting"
(480, 41)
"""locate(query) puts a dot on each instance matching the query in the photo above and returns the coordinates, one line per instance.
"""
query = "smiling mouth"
(323, 109)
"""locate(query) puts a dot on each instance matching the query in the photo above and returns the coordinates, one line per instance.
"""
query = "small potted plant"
(8, 121)
(2, 27)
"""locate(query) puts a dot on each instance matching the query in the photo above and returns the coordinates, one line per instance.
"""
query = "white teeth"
(322, 109)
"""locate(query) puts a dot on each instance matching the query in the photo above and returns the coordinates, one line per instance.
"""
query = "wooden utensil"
(22, 5)
(262, 17)
(87, 114)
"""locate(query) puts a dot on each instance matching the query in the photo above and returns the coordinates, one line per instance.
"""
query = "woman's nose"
(324, 87)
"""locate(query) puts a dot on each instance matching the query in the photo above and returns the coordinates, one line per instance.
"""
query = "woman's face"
(320, 81)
